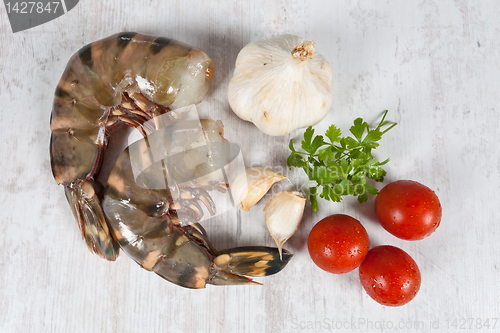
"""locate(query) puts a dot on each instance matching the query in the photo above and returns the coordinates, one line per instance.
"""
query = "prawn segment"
(87, 210)
(67, 161)
(196, 77)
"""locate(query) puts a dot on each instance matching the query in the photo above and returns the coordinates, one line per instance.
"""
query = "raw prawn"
(132, 79)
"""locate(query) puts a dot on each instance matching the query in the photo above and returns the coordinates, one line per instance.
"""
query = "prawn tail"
(250, 261)
(86, 207)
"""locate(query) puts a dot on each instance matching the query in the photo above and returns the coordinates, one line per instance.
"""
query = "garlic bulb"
(251, 185)
(283, 215)
(281, 85)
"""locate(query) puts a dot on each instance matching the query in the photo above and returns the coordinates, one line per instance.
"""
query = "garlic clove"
(252, 184)
(283, 215)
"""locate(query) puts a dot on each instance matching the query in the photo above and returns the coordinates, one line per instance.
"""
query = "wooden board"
(433, 64)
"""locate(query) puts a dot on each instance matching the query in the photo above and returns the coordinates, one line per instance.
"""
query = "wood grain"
(433, 64)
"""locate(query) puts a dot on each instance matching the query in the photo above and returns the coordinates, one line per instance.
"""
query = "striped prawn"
(137, 79)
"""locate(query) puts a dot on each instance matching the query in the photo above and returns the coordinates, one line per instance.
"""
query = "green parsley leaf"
(371, 190)
(363, 197)
(308, 134)
(317, 142)
(371, 139)
(358, 128)
(333, 133)
(324, 176)
(342, 165)
(310, 145)
(325, 154)
(325, 194)
(295, 160)
(351, 143)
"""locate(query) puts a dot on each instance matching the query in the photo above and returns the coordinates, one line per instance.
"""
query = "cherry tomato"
(390, 276)
(338, 244)
(408, 210)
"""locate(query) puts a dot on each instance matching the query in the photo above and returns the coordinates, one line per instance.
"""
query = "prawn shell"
(68, 164)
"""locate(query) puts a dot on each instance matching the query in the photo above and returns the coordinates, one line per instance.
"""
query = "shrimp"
(136, 80)
(127, 78)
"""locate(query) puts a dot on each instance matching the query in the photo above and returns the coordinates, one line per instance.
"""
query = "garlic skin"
(281, 85)
(251, 185)
(283, 215)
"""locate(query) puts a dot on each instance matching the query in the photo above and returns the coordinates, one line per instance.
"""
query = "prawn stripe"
(158, 44)
(85, 55)
(124, 38)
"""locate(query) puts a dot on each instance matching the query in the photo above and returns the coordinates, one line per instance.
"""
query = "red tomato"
(408, 210)
(338, 244)
(390, 276)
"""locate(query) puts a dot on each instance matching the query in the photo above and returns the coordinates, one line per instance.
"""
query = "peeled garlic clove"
(281, 84)
(252, 184)
(283, 215)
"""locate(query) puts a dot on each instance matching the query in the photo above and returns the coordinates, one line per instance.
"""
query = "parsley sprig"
(341, 165)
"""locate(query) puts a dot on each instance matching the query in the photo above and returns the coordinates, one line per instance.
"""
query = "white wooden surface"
(433, 64)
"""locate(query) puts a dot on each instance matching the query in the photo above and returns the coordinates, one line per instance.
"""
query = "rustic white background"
(433, 64)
